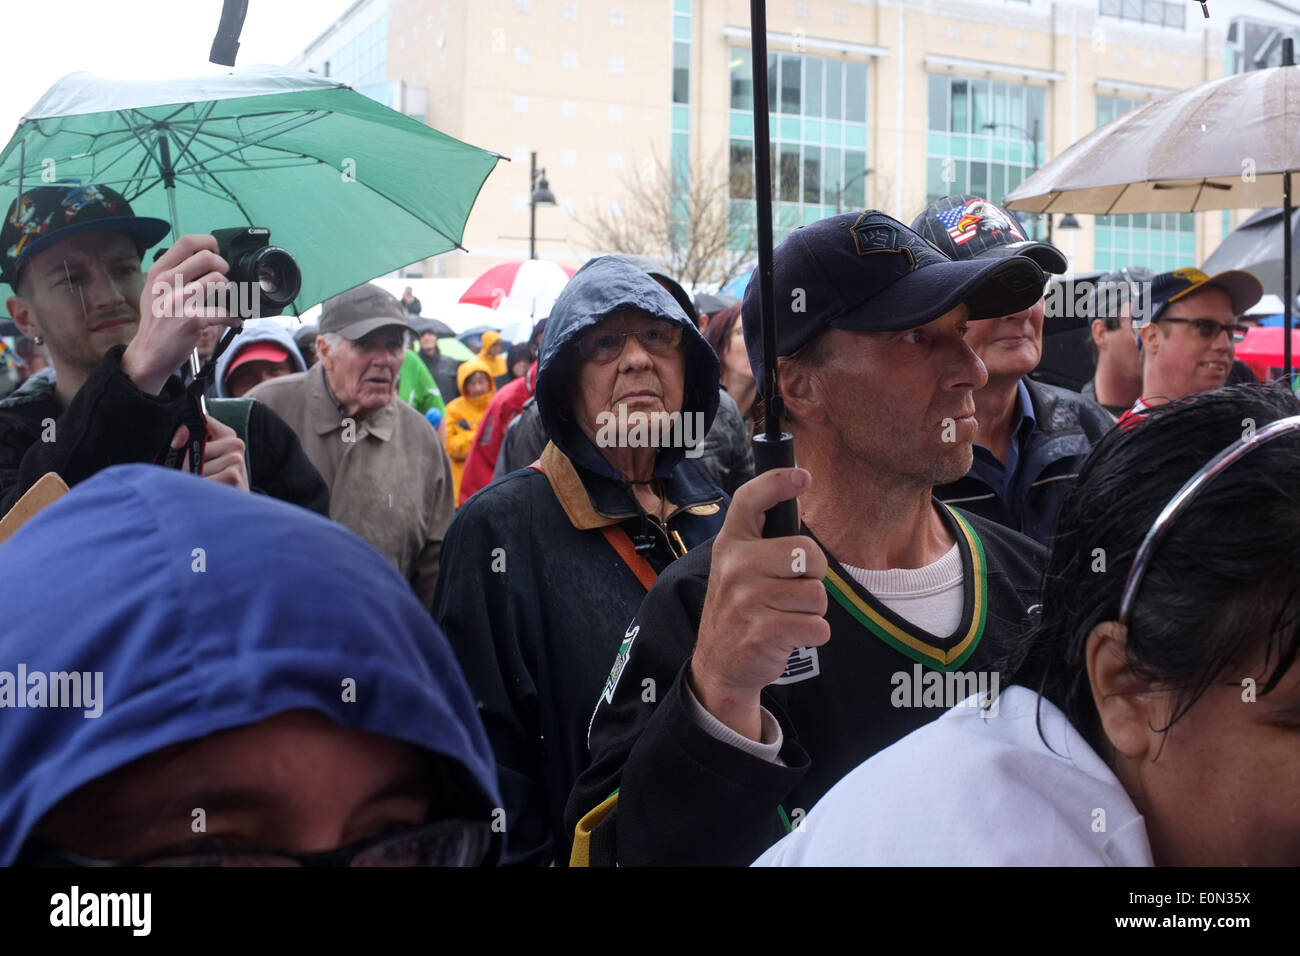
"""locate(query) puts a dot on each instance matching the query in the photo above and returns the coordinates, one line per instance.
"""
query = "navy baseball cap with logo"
(968, 227)
(867, 272)
(44, 215)
(1242, 288)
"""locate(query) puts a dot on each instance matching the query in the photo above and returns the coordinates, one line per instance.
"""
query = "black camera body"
(269, 273)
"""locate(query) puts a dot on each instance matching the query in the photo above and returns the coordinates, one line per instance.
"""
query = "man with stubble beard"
(759, 671)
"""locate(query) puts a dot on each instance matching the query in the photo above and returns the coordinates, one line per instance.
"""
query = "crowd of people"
(520, 609)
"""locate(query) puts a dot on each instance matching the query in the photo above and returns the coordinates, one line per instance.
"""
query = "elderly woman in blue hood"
(543, 569)
(237, 681)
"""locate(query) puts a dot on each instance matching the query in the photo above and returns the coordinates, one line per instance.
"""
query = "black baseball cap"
(867, 272)
(358, 312)
(44, 215)
(1242, 288)
(968, 227)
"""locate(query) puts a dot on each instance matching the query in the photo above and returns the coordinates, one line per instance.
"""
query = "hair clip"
(1210, 470)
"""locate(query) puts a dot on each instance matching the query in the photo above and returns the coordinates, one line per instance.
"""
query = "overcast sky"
(140, 40)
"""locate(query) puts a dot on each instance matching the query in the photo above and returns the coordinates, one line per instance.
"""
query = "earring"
(38, 340)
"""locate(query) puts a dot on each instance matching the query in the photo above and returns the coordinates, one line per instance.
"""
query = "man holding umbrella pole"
(741, 691)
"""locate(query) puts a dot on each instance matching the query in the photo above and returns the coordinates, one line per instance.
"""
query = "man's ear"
(1151, 336)
(21, 312)
(801, 390)
(1129, 707)
(1098, 331)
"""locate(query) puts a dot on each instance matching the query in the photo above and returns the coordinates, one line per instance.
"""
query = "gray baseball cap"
(358, 312)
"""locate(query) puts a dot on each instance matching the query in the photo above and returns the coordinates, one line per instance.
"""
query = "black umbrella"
(773, 448)
(707, 304)
(422, 324)
(1256, 246)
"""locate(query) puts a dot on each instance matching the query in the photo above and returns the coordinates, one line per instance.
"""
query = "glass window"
(960, 105)
(979, 178)
(834, 91)
(1000, 105)
(855, 166)
(1176, 16)
(681, 73)
(1035, 99)
(938, 105)
(832, 178)
(742, 80)
(791, 84)
(772, 76)
(812, 87)
(742, 169)
(1112, 8)
(979, 102)
(812, 174)
(789, 172)
(1132, 9)
(855, 92)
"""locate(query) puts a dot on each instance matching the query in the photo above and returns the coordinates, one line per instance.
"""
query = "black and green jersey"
(685, 798)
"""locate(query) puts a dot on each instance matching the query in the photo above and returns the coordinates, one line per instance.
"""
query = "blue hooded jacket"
(206, 609)
(533, 598)
(601, 287)
(257, 330)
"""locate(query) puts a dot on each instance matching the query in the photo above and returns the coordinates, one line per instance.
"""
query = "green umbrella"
(350, 187)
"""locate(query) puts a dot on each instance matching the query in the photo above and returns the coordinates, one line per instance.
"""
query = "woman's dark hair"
(719, 328)
(1222, 585)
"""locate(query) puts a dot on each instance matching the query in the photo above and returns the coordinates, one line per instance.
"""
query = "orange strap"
(622, 545)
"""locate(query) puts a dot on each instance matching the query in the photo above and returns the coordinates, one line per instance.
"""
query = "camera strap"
(192, 416)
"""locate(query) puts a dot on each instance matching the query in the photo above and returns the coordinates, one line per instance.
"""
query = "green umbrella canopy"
(350, 187)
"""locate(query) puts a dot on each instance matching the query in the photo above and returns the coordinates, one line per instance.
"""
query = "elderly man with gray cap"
(759, 669)
(389, 477)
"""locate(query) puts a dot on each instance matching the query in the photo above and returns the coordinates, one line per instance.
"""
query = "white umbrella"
(1231, 143)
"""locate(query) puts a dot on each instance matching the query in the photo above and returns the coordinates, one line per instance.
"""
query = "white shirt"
(967, 790)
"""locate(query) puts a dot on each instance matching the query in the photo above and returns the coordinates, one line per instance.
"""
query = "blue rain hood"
(206, 609)
(257, 330)
(601, 287)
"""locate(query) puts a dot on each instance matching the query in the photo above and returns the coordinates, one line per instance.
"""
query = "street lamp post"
(539, 195)
(1033, 138)
(839, 195)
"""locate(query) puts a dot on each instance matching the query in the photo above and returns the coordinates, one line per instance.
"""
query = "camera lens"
(277, 275)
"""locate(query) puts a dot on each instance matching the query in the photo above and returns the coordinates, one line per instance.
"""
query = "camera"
(255, 263)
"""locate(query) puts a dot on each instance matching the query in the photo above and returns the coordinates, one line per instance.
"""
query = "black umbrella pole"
(1286, 276)
(773, 448)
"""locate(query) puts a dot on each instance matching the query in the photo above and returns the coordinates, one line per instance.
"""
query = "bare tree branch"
(680, 218)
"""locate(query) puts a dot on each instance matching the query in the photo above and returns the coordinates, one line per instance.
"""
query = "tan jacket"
(389, 476)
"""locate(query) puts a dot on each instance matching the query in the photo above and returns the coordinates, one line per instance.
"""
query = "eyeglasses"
(604, 345)
(456, 842)
(1210, 328)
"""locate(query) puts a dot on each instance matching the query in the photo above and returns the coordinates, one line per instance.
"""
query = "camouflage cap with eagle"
(969, 227)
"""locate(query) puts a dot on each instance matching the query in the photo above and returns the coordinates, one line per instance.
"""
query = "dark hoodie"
(533, 598)
(288, 604)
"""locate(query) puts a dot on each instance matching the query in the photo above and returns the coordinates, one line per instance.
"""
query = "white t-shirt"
(969, 790)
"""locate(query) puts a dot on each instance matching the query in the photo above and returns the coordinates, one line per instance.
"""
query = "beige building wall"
(588, 86)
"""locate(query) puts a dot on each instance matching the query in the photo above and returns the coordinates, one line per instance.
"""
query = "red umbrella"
(1264, 351)
(529, 286)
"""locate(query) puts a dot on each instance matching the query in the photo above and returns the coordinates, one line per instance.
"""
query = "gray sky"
(140, 40)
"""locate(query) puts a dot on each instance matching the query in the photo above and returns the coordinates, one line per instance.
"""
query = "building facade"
(882, 103)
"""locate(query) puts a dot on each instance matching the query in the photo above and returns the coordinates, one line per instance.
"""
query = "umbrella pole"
(1286, 276)
(773, 448)
(169, 187)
